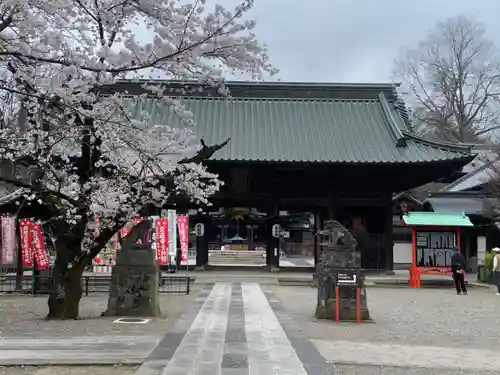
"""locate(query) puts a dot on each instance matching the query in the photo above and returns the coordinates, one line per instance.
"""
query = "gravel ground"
(62, 370)
(24, 316)
(407, 316)
(375, 370)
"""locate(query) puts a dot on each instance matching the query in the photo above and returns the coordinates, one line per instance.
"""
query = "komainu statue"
(339, 258)
(134, 279)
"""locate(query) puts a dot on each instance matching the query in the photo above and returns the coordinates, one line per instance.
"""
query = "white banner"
(172, 234)
(8, 240)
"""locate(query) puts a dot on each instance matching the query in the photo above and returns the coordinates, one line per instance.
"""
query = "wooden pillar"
(202, 242)
(332, 206)
(318, 225)
(388, 234)
(272, 259)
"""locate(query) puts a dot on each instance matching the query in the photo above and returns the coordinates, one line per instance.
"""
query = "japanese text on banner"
(25, 233)
(161, 234)
(183, 224)
(8, 239)
(42, 259)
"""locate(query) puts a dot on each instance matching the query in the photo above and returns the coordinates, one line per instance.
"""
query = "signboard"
(347, 278)
(435, 248)
(199, 229)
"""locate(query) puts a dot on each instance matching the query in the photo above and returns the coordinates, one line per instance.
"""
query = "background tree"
(91, 155)
(451, 82)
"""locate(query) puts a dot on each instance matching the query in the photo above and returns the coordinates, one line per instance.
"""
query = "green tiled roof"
(442, 219)
(303, 129)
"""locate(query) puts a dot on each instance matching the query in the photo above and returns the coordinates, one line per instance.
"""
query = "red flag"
(161, 230)
(8, 239)
(42, 259)
(183, 224)
(25, 232)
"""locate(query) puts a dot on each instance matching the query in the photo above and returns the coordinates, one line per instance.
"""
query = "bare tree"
(452, 82)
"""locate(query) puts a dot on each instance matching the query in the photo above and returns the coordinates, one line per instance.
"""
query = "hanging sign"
(40, 254)
(8, 240)
(161, 240)
(183, 224)
(25, 233)
(199, 229)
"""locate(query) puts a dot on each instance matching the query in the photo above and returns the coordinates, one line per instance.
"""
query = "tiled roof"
(308, 129)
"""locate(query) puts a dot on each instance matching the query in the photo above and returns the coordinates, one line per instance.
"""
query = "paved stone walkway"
(76, 351)
(409, 356)
(235, 329)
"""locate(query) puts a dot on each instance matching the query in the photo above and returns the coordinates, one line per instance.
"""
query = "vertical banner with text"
(161, 240)
(183, 224)
(172, 234)
(40, 254)
(8, 240)
(25, 235)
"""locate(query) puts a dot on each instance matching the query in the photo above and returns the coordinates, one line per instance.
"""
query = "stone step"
(237, 256)
(230, 253)
(236, 261)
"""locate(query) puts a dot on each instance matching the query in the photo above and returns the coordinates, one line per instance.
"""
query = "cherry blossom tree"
(82, 152)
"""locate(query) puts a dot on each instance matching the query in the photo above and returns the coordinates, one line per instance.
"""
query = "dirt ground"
(406, 316)
(24, 317)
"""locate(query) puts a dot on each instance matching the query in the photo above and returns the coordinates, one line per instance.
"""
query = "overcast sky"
(353, 40)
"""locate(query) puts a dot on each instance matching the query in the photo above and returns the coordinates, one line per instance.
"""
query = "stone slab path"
(235, 329)
(409, 356)
(76, 351)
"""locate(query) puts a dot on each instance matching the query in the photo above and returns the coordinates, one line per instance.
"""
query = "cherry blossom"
(86, 154)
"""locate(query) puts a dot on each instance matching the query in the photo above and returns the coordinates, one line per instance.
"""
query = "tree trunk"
(64, 299)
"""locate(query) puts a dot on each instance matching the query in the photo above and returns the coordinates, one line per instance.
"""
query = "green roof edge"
(462, 220)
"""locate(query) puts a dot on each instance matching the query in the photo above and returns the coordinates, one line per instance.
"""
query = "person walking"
(496, 268)
(458, 267)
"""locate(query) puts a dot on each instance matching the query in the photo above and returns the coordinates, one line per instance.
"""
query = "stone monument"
(339, 260)
(135, 277)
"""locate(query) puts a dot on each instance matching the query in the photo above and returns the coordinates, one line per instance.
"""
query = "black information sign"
(347, 278)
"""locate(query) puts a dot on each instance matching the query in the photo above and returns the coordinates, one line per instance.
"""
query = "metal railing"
(90, 284)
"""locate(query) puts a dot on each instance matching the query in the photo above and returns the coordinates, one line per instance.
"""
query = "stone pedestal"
(134, 283)
(340, 259)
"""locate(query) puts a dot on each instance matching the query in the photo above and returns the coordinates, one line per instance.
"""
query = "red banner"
(125, 231)
(25, 233)
(42, 259)
(183, 224)
(8, 239)
(161, 231)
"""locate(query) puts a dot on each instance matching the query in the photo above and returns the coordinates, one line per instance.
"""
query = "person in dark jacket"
(458, 267)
